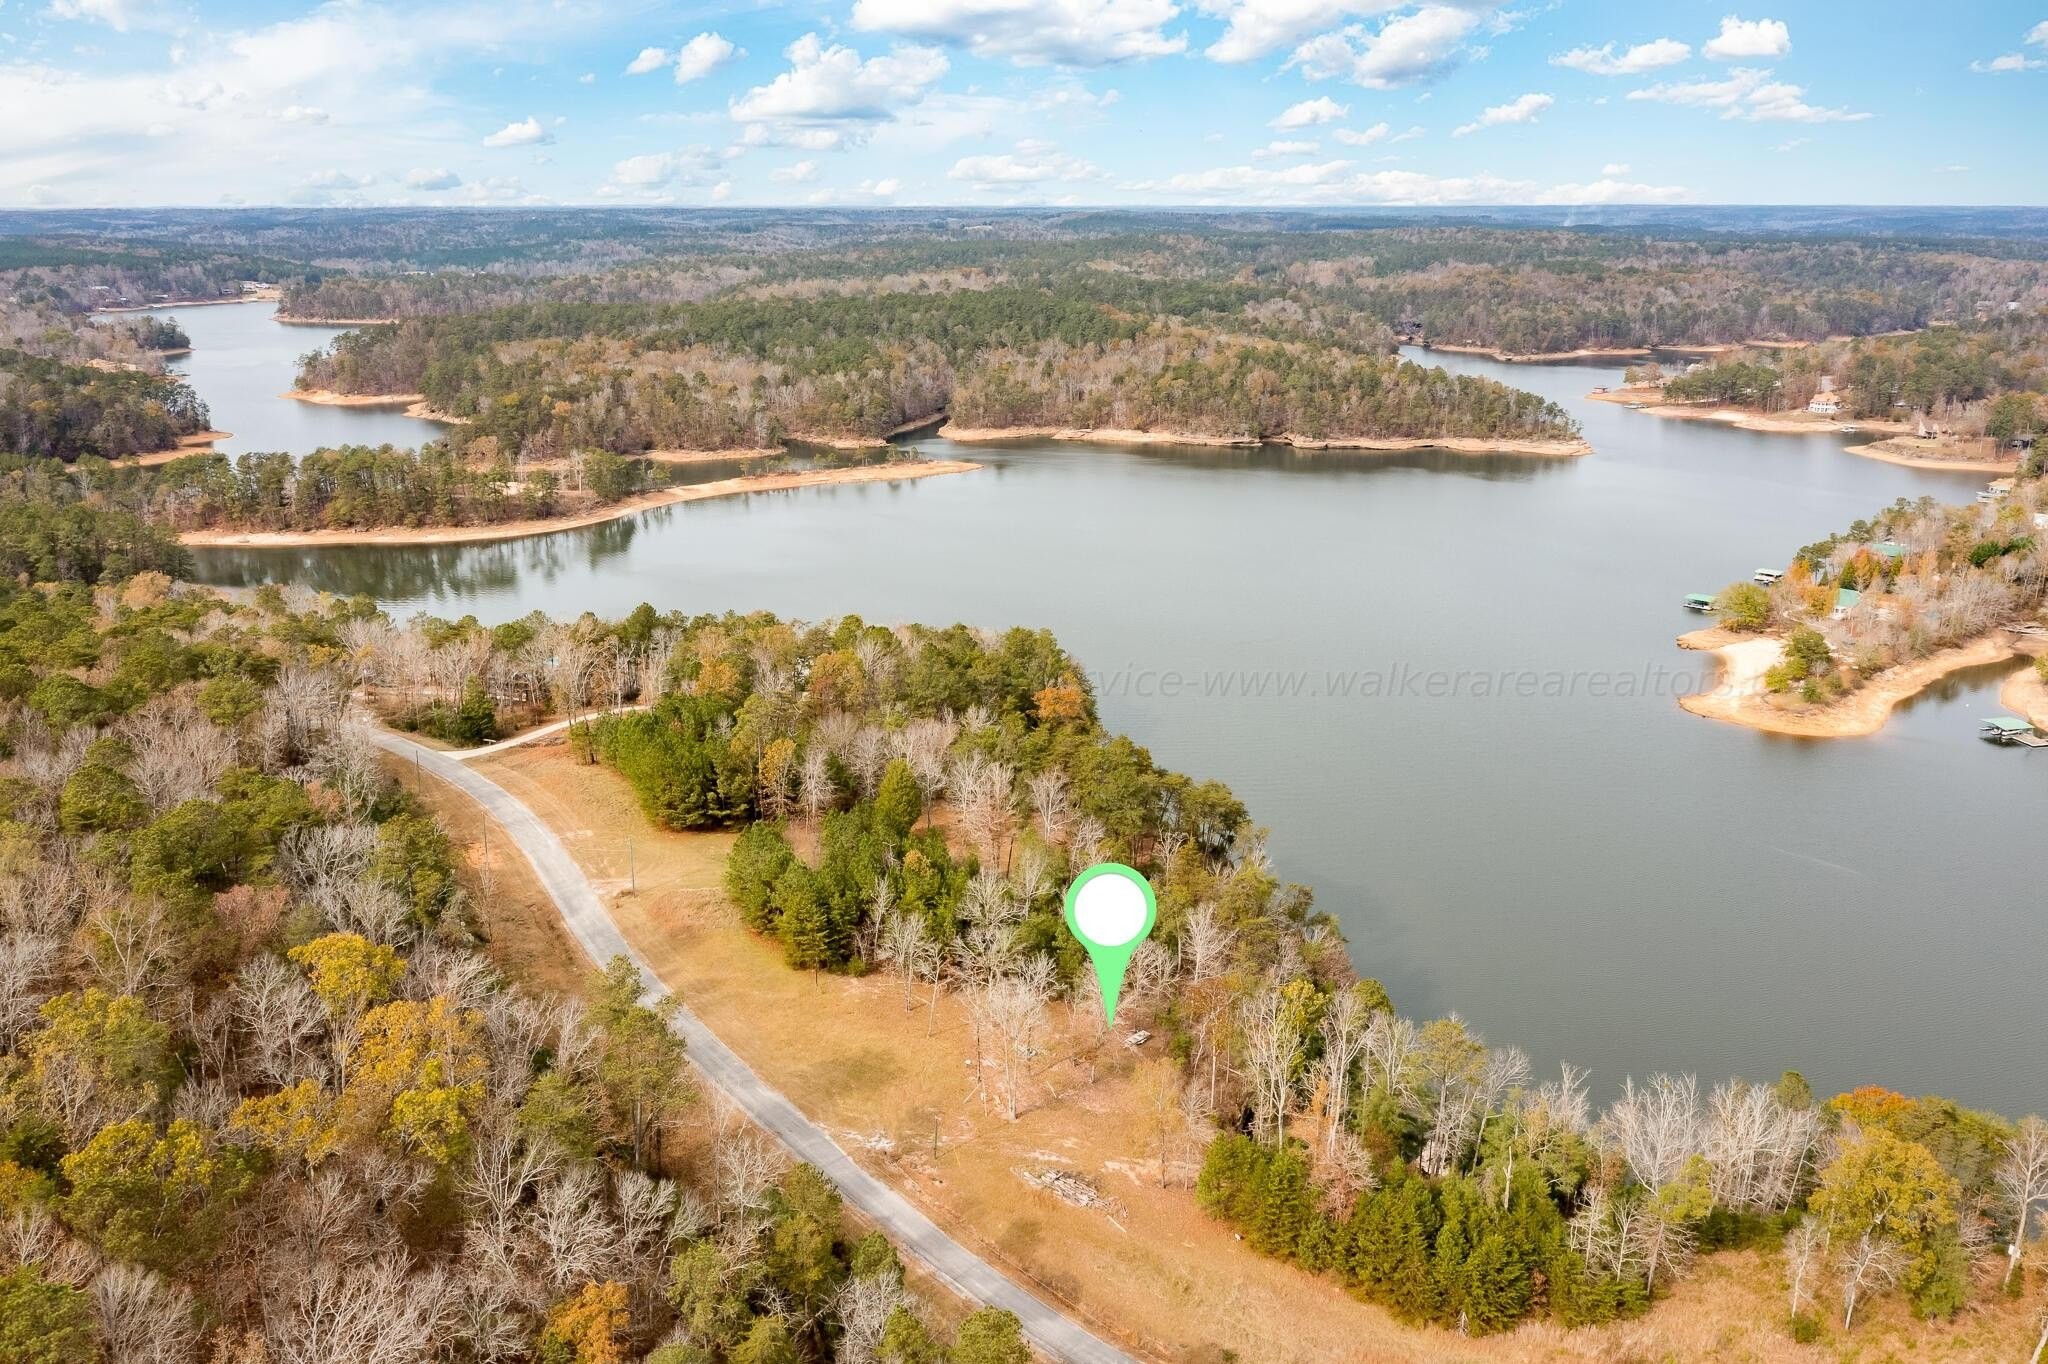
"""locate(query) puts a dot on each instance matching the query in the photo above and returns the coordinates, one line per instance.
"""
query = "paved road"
(587, 918)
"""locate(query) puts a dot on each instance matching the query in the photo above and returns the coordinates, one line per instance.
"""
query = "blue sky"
(856, 102)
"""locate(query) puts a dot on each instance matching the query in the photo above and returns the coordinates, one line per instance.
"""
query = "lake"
(1446, 684)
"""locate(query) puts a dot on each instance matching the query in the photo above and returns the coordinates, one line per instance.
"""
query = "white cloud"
(661, 177)
(1322, 109)
(829, 92)
(1411, 48)
(1032, 163)
(650, 59)
(1522, 109)
(1602, 60)
(587, 78)
(1258, 27)
(1614, 168)
(527, 132)
(2009, 62)
(1353, 138)
(1032, 32)
(692, 164)
(1782, 103)
(1748, 40)
(701, 56)
(334, 179)
(435, 178)
(2038, 33)
(498, 189)
(1748, 94)
(1337, 182)
(302, 113)
(884, 188)
(118, 15)
(137, 135)
(801, 173)
(1286, 148)
(1607, 190)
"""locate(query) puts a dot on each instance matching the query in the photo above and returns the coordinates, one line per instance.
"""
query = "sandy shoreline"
(1926, 454)
(198, 443)
(1551, 357)
(1739, 698)
(867, 442)
(512, 530)
(1106, 435)
(412, 404)
(1785, 423)
(706, 456)
(260, 296)
(2026, 695)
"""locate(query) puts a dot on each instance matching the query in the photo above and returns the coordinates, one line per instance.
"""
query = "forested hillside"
(750, 371)
(59, 410)
(263, 1097)
(1988, 377)
(913, 800)
(1210, 386)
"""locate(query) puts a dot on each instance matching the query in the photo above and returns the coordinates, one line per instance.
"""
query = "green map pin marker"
(1111, 909)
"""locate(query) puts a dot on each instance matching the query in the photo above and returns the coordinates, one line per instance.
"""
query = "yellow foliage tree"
(589, 1328)
(348, 971)
(415, 1076)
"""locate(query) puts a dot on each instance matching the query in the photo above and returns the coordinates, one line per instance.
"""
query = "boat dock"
(2010, 729)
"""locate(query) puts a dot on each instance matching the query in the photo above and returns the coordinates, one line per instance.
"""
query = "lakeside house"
(1845, 599)
(1824, 405)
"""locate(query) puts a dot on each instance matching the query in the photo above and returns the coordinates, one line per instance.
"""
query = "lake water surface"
(1446, 683)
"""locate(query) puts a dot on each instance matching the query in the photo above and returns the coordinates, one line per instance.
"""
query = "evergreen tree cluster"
(64, 411)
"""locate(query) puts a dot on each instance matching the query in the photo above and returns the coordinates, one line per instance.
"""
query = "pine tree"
(809, 940)
(1286, 1204)
(897, 802)
(1391, 1235)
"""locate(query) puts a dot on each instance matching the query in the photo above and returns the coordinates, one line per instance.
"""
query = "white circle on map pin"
(1110, 910)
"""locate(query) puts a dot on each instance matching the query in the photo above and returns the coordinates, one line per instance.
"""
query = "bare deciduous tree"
(144, 1319)
(1343, 1036)
(1806, 1247)
(1761, 1151)
(1051, 804)
(2022, 1180)
(1870, 1264)
(1012, 1010)
(865, 1303)
(1272, 1046)
(374, 1313)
